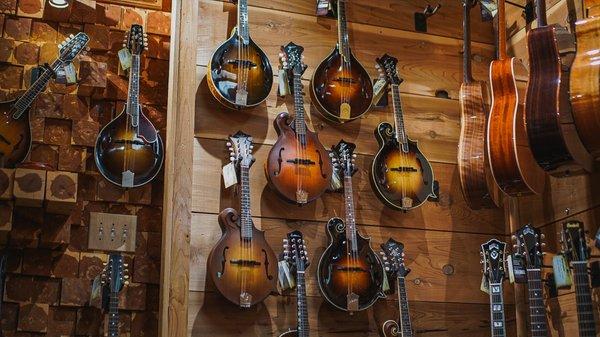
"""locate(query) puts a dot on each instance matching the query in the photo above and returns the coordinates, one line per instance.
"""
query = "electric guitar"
(114, 277)
(393, 257)
(494, 270)
(294, 252)
(129, 151)
(350, 274)
(15, 130)
(239, 72)
(575, 249)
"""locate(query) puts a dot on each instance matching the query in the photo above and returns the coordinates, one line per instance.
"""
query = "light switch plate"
(112, 232)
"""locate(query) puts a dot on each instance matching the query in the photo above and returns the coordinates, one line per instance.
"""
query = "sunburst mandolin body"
(15, 136)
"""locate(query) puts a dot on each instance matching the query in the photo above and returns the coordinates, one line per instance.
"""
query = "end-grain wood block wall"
(49, 265)
(442, 239)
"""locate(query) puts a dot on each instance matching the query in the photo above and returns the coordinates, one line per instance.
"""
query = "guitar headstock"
(393, 258)
(240, 150)
(574, 246)
(493, 255)
(115, 273)
(291, 58)
(386, 65)
(72, 46)
(528, 245)
(136, 40)
(294, 251)
(344, 158)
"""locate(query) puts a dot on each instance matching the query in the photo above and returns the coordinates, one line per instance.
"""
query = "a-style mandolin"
(472, 162)
(129, 151)
(585, 78)
(494, 271)
(239, 72)
(547, 107)
(341, 88)
(350, 274)
(400, 174)
(393, 253)
(298, 166)
(294, 252)
(15, 130)
(114, 277)
(510, 158)
(242, 265)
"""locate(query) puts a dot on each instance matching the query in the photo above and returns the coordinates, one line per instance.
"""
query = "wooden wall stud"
(29, 187)
(7, 177)
(61, 192)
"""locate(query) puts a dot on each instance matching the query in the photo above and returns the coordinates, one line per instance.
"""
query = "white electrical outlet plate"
(112, 232)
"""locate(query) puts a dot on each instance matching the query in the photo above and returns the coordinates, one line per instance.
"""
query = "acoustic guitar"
(242, 265)
(512, 164)
(341, 88)
(129, 151)
(15, 130)
(400, 174)
(350, 274)
(494, 271)
(547, 105)
(472, 155)
(294, 252)
(298, 165)
(585, 79)
(239, 72)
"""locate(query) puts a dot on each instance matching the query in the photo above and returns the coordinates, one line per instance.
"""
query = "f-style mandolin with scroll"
(15, 131)
(298, 166)
(129, 150)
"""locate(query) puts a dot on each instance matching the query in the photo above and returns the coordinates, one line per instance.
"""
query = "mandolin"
(528, 245)
(547, 104)
(15, 130)
(393, 255)
(400, 174)
(129, 151)
(471, 149)
(350, 274)
(242, 265)
(294, 252)
(510, 159)
(575, 249)
(341, 88)
(298, 166)
(114, 277)
(494, 271)
(585, 79)
(239, 72)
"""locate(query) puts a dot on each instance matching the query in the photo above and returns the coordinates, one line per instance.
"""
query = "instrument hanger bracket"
(421, 17)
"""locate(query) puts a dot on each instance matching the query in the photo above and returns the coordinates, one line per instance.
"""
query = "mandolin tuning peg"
(228, 144)
(514, 237)
(387, 269)
(232, 158)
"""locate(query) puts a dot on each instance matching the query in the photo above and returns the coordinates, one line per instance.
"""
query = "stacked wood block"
(47, 213)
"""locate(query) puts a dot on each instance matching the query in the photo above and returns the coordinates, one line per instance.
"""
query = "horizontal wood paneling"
(450, 214)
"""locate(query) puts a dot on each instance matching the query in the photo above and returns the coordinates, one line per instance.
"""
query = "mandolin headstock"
(294, 251)
(574, 245)
(344, 158)
(393, 258)
(291, 58)
(386, 65)
(136, 40)
(240, 150)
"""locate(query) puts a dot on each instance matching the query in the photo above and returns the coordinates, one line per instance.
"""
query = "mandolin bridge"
(298, 161)
(245, 263)
(345, 80)
(242, 63)
(351, 269)
(131, 142)
(404, 169)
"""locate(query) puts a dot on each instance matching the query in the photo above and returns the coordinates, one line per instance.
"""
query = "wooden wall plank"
(451, 213)
(208, 313)
(427, 63)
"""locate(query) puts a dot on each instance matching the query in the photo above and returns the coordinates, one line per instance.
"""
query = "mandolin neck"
(24, 102)
(343, 37)
(300, 121)
(540, 12)
(467, 72)
(399, 117)
(585, 308)
(133, 98)
(405, 323)
(113, 314)
(246, 217)
(537, 309)
(302, 324)
(243, 27)
(350, 216)
(497, 310)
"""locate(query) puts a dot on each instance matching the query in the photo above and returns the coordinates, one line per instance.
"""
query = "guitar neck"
(113, 314)
(350, 216)
(302, 325)
(243, 28)
(467, 72)
(300, 121)
(25, 101)
(540, 12)
(398, 115)
(405, 323)
(246, 217)
(537, 309)
(343, 37)
(133, 98)
(501, 30)
(585, 307)
(497, 310)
